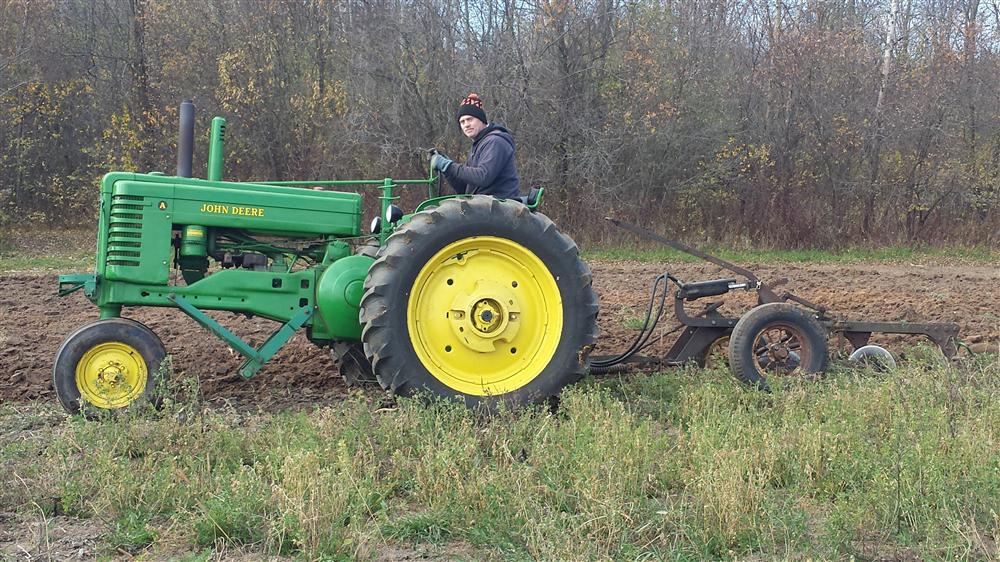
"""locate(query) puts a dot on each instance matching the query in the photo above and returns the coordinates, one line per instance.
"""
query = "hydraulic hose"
(614, 364)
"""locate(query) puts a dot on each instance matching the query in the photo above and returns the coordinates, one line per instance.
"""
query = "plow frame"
(703, 329)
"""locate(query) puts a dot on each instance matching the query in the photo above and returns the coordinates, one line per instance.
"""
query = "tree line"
(763, 122)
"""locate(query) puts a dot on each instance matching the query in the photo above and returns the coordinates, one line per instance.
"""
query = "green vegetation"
(57, 250)
(75, 261)
(74, 251)
(681, 465)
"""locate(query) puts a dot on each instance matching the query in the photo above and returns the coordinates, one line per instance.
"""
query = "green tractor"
(467, 297)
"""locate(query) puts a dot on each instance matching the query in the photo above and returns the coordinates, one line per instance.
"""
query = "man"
(490, 169)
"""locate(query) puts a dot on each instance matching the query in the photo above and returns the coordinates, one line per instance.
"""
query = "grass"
(70, 261)
(47, 250)
(79, 259)
(680, 465)
(73, 250)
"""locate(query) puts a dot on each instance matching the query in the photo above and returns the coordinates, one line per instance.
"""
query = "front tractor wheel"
(481, 299)
(108, 365)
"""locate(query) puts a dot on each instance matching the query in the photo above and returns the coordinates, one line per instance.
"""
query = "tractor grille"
(125, 230)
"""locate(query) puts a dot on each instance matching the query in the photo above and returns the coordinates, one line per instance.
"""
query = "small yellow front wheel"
(108, 365)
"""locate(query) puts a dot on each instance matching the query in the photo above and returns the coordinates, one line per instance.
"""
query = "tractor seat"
(531, 198)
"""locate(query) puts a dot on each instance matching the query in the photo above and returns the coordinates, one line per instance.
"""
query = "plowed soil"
(34, 321)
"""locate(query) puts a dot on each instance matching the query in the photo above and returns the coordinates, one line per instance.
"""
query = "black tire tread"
(109, 329)
(744, 333)
(377, 330)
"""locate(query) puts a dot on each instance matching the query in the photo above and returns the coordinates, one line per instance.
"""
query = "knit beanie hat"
(473, 106)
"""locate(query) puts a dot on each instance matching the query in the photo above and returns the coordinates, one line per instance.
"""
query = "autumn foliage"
(739, 122)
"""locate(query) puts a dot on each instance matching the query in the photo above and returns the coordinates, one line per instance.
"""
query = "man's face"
(471, 126)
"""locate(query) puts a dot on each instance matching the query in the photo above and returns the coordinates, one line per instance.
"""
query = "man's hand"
(440, 162)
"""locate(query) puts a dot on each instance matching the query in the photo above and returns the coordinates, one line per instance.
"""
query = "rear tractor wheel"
(482, 300)
(355, 369)
(108, 366)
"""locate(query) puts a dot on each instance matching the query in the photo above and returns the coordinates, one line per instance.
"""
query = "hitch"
(73, 282)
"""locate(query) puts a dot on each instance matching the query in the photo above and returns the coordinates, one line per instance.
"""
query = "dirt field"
(33, 322)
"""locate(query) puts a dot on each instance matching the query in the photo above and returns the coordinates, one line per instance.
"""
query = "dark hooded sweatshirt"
(490, 169)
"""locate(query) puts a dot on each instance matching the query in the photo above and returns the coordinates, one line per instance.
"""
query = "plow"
(783, 334)
(465, 297)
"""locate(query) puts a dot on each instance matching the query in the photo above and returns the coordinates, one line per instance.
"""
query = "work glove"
(440, 162)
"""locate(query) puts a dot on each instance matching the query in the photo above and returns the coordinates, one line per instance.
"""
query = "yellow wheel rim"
(111, 375)
(485, 316)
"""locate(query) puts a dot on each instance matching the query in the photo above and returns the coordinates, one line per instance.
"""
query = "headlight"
(376, 225)
(393, 214)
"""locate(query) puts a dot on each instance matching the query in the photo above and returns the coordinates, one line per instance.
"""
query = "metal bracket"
(73, 282)
(943, 334)
(693, 344)
(255, 358)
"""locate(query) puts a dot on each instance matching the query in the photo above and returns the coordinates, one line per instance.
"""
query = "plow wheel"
(776, 339)
(108, 365)
(717, 354)
(479, 299)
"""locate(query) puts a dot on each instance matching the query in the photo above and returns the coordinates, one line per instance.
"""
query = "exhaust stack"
(185, 139)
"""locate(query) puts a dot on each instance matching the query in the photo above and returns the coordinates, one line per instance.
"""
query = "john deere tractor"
(467, 297)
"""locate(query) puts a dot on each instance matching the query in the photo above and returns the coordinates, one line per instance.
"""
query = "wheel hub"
(484, 316)
(777, 349)
(487, 316)
(111, 375)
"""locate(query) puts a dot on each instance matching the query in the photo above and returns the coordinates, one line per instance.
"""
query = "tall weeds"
(679, 465)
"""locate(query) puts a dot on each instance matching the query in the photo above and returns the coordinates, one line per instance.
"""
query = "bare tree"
(791, 124)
